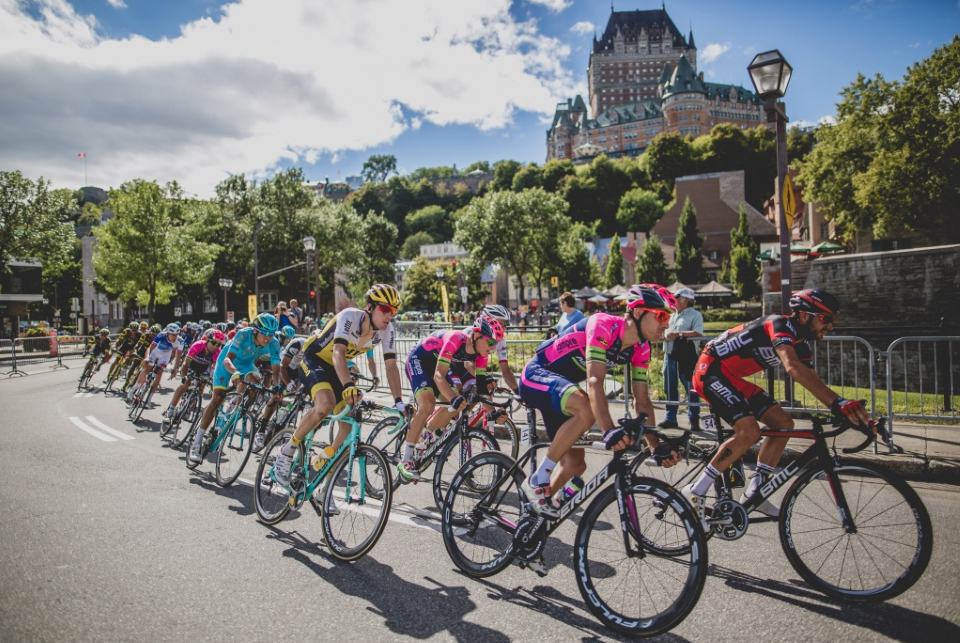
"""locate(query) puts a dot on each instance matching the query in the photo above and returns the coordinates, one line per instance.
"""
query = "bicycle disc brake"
(729, 520)
(530, 537)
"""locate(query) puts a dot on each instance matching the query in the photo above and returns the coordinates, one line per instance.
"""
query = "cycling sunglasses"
(662, 315)
(386, 308)
(826, 319)
(492, 342)
(215, 343)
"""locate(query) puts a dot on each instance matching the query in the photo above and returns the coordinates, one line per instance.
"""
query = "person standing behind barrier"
(570, 316)
(680, 357)
(296, 312)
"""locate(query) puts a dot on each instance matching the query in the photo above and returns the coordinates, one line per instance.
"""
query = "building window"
(713, 255)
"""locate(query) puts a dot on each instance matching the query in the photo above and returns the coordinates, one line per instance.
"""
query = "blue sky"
(194, 90)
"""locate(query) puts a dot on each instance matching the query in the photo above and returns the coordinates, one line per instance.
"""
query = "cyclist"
(549, 383)
(236, 361)
(289, 379)
(351, 332)
(200, 357)
(748, 349)
(188, 336)
(162, 349)
(428, 369)
(501, 315)
(98, 345)
(125, 342)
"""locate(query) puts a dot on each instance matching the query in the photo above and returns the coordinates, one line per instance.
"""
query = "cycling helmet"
(231, 325)
(144, 326)
(652, 297)
(134, 325)
(488, 327)
(383, 294)
(496, 311)
(156, 328)
(217, 336)
(288, 332)
(265, 323)
(171, 329)
(104, 331)
(817, 302)
(206, 325)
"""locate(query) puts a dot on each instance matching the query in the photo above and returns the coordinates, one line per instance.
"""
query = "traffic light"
(313, 293)
(454, 264)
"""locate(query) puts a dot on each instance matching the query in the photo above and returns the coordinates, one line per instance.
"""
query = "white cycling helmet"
(497, 312)
(171, 329)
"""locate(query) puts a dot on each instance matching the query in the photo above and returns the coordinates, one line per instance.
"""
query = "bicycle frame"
(231, 420)
(353, 439)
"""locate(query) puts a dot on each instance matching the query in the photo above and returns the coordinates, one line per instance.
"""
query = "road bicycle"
(448, 450)
(851, 530)
(115, 372)
(144, 393)
(500, 424)
(286, 415)
(133, 372)
(93, 364)
(351, 492)
(188, 411)
(230, 437)
(640, 555)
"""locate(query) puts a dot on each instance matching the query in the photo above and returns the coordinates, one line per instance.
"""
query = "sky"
(197, 90)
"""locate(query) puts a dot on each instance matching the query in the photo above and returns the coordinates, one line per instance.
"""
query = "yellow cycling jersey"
(344, 329)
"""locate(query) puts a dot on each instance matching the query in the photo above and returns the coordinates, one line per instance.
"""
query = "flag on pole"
(82, 155)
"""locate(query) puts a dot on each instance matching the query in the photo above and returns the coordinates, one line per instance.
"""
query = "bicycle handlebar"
(844, 424)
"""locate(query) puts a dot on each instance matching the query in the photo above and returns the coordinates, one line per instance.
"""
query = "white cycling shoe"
(766, 507)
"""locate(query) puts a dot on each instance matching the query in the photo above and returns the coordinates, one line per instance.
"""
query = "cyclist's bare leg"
(580, 421)
(572, 464)
(426, 403)
(323, 403)
(772, 448)
(211, 411)
(441, 418)
(746, 432)
(179, 393)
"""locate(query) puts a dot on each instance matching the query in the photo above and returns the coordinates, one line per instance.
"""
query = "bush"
(727, 315)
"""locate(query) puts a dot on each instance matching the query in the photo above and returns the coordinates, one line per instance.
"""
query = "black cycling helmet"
(816, 302)
(231, 325)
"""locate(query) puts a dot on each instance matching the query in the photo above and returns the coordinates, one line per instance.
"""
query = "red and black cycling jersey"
(752, 347)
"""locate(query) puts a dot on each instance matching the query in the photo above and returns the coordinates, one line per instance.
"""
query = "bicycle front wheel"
(352, 518)
(480, 514)
(454, 455)
(510, 436)
(234, 448)
(886, 553)
(642, 592)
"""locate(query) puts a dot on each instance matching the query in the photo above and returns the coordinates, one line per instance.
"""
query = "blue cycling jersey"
(245, 347)
(164, 344)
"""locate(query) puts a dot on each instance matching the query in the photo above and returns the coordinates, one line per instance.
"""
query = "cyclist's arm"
(340, 364)
(372, 365)
(596, 374)
(185, 366)
(393, 377)
(284, 365)
(228, 362)
(804, 375)
(440, 379)
(508, 377)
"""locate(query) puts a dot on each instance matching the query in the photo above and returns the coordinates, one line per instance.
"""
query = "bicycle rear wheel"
(642, 593)
(883, 558)
(353, 519)
(270, 498)
(389, 444)
(512, 440)
(85, 376)
(184, 420)
(480, 514)
(234, 449)
(454, 455)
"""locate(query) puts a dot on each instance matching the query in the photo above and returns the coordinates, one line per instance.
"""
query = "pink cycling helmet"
(652, 297)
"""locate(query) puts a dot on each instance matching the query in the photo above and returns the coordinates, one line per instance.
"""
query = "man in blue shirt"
(570, 316)
(688, 324)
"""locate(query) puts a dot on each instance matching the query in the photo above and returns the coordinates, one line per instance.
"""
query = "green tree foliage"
(516, 230)
(652, 266)
(611, 181)
(472, 270)
(503, 173)
(527, 177)
(573, 266)
(379, 251)
(421, 289)
(580, 193)
(744, 268)
(800, 143)
(439, 172)
(367, 199)
(614, 274)
(483, 166)
(411, 246)
(666, 158)
(554, 171)
(35, 222)
(433, 220)
(378, 168)
(156, 239)
(640, 210)
(688, 259)
(335, 226)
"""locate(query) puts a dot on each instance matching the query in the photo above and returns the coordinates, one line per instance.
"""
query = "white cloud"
(713, 51)
(268, 82)
(553, 5)
(829, 119)
(117, 4)
(583, 27)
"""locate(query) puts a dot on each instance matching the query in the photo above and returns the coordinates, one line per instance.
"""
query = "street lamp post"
(226, 284)
(310, 245)
(256, 264)
(770, 74)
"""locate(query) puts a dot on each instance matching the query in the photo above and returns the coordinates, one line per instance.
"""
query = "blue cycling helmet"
(265, 323)
(288, 332)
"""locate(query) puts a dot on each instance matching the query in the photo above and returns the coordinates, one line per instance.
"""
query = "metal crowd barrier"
(25, 351)
(924, 371)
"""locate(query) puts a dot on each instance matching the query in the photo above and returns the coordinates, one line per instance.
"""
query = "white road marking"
(78, 394)
(90, 394)
(97, 423)
(92, 431)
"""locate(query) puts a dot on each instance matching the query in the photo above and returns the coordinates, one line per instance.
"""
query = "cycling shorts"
(421, 365)
(547, 392)
(159, 358)
(318, 375)
(221, 376)
(197, 368)
(293, 374)
(731, 398)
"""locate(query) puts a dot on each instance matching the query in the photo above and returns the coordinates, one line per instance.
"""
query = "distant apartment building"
(643, 82)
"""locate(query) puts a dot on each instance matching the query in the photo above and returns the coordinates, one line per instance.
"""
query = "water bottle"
(569, 490)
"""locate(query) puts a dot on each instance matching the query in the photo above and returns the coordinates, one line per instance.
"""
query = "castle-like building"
(643, 81)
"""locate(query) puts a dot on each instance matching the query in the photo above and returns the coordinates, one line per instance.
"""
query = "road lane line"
(97, 423)
(90, 394)
(92, 431)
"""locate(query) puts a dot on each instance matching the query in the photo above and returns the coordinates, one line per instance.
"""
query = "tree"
(439, 172)
(744, 268)
(527, 177)
(421, 289)
(375, 263)
(411, 247)
(35, 222)
(367, 199)
(433, 220)
(503, 173)
(612, 181)
(553, 172)
(640, 210)
(378, 167)
(800, 143)
(688, 260)
(335, 227)
(667, 157)
(614, 275)
(573, 265)
(517, 230)
(156, 239)
(652, 266)
(483, 166)
(472, 269)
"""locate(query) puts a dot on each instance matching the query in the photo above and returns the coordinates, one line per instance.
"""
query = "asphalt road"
(117, 541)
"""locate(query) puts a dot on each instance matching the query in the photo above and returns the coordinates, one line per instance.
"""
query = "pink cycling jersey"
(198, 353)
(450, 348)
(597, 338)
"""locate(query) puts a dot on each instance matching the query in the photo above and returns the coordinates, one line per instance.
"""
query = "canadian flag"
(82, 155)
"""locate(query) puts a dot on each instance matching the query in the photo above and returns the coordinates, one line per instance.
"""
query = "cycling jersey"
(448, 347)
(197, 354)
(344, 329)
(127, 340)
(97, 346)
(294, 350)
(162, 349)
(140, 350)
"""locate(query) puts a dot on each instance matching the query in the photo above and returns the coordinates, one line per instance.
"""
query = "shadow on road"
(893, 621)
(241, 493)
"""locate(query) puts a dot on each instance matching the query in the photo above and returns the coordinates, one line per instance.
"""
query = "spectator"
(297, 313)
(680, 357)
(283, 315)
(570, 316)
